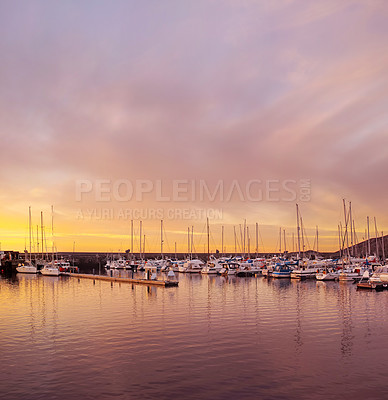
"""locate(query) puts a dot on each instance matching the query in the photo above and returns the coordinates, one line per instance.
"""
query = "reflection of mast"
(345, 307)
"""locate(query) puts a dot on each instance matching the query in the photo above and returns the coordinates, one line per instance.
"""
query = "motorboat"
(50, 269)
(193, 266)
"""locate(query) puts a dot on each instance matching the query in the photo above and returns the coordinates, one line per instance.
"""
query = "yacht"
(327, 275)
(27, 267)
(212, 267)
(380, 275)
(193, 266)
(50, 269)
(229, 268)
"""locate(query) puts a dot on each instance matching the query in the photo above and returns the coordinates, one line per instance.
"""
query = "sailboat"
(51, 268)
(27, 267)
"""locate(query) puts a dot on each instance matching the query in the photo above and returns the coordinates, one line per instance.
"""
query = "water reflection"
(228, 336)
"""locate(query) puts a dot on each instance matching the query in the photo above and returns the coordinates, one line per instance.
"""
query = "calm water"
(210, 338)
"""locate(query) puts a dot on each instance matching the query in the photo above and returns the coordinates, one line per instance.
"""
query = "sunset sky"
(211, 91)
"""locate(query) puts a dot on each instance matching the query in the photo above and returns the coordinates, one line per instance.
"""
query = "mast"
(208, 240)
(293, 242)
(257, 240)
(132, 238)
(192, 241)
(351, 227)
(235, 241)
(339, 241)
(346, 235)
(377, 243)
(245, 228)
(317, 240)
(302, 229)
(280, 240)
(241, 238)
(382, 246)
(284, 237)
(188, 242)
(52, 233)
(29, 229)
(140, 237)
(298, 229)
(222, 240)
(161, 238)
(41, 227)
(175, 251)
(249, 243)
(37, 244)
(367, 223)
(144, 245)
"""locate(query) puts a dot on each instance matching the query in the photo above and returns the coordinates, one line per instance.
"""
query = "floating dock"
(149, 282)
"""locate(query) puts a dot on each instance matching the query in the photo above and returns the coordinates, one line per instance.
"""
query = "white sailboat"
(51, 268)
(27, 267)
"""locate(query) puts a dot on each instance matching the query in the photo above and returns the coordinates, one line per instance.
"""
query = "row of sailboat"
(47, 264)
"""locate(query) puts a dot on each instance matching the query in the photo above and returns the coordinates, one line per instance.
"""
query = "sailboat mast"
(235, 241)
(284, 237)
(346, 235)
(140, 237)
(298, 229)
(144, 246)
(222, 240)
(317, 240)
(192, 242)
(257, 240)
(249, 243)
(52, 233)
(339, 241)
(382, 246)
(377, 243)
(29, 229)
(280, 240)
(41, 228)
(132, 238)
(37, 244)
(208, 239)
(367, 223)
(188, 242)
(161, 238)
(245, 228)
(351, 227)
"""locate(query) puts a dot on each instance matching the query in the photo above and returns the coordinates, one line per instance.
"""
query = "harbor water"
(210, 338)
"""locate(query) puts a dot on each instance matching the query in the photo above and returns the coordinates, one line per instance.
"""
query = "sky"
(116, 95)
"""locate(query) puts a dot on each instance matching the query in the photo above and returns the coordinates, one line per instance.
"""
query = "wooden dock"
(372, 286)
(148, 282)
